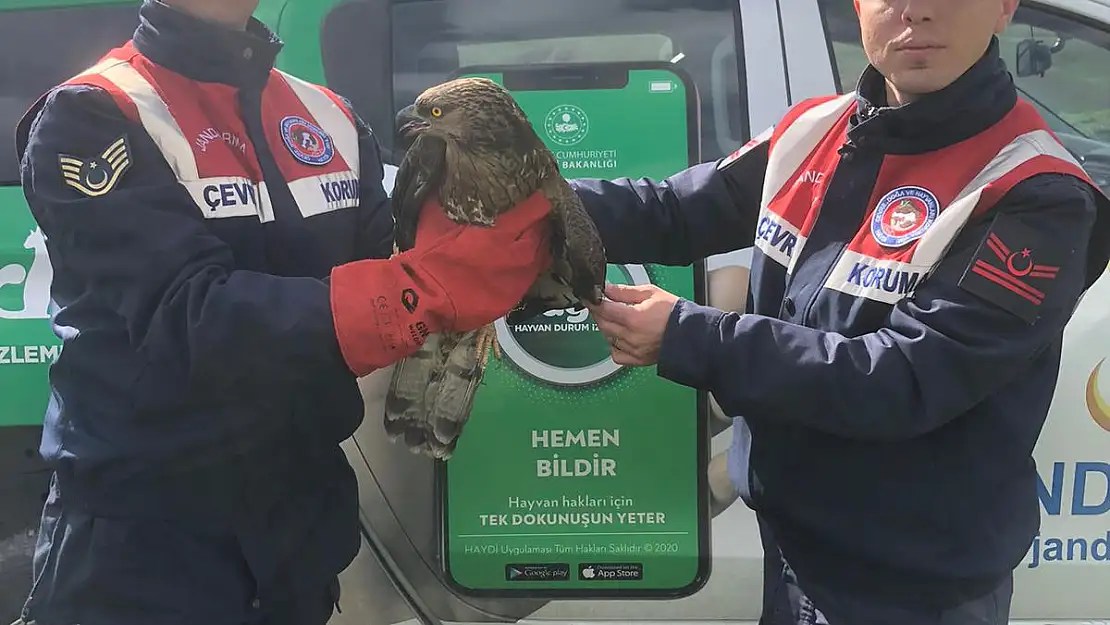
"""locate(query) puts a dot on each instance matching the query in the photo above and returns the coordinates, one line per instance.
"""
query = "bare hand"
(633, 320)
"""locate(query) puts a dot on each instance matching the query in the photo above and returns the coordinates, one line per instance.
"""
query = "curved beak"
(407, 124)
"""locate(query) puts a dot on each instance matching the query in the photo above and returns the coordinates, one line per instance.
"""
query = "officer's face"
(922, 46)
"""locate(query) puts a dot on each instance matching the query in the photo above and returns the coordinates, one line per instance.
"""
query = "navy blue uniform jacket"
(204, 393)
(890, 446)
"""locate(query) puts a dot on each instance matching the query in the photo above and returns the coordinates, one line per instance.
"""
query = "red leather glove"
(455, 278)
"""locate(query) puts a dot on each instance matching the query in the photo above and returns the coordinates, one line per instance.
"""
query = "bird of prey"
(474, 149)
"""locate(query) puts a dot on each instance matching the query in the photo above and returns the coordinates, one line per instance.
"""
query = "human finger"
(628, 293)
(624, 358)
(614, 313)
(610, 329)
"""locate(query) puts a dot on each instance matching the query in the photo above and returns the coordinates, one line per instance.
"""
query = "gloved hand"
(455, 278)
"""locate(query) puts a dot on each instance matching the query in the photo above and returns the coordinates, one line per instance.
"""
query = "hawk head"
(471, 114)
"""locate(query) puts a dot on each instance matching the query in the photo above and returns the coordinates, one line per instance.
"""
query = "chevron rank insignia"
(97, 175)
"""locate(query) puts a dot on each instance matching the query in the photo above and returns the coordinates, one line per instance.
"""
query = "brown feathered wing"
(432, 392)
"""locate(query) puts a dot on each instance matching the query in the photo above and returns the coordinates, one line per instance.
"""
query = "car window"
(433, 38)
(1072, 94)
(28, 67)
(1074, 88)
(842, 30)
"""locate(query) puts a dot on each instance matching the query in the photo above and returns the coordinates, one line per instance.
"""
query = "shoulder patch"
(1013, 269)
(97, 175)
(762, 137)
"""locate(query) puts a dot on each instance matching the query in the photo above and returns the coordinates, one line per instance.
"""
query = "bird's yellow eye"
(436, 111)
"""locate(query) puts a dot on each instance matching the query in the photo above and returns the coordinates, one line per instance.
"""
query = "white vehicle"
(749, 60)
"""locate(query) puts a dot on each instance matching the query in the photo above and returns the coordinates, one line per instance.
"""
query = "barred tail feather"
(404, 402)
(451, 398)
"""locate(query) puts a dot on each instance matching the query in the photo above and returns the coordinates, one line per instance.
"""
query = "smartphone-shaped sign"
(575, 477)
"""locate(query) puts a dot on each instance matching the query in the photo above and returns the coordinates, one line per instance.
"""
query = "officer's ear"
(1009, 7)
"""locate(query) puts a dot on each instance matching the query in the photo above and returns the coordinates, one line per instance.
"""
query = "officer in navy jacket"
(919, 248)
(221, 244)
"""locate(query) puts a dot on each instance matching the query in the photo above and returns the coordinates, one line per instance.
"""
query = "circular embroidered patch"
(307, 142)
(903, 215)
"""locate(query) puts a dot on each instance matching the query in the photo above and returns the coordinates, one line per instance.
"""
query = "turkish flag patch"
(1014, 268)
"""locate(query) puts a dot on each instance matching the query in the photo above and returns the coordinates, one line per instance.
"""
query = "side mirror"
(1034, 57)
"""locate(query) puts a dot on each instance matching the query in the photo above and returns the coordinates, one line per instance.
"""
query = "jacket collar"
(975, 101)
(203, 51)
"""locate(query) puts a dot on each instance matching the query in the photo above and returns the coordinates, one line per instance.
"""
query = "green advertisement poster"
(578, 478)
(27, 343)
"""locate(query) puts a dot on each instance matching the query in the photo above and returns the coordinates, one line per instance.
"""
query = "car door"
(380, 54)
(1064, 575)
